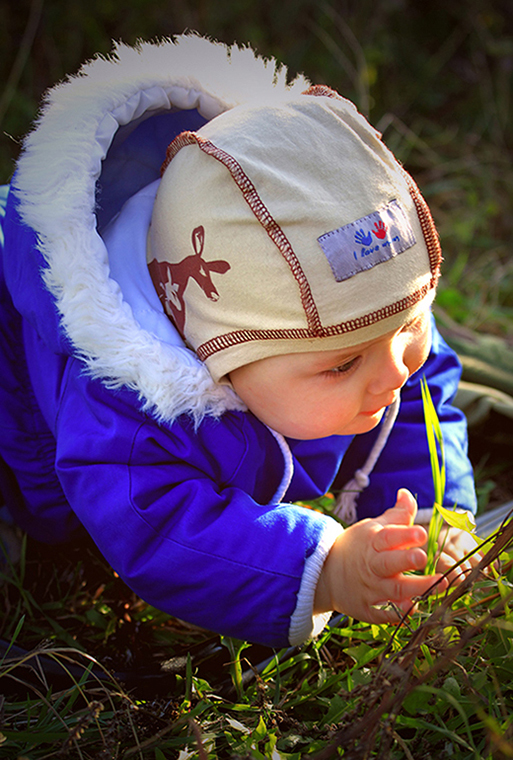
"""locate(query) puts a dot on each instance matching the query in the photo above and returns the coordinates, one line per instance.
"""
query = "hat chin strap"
(346, 502)
(288, 471)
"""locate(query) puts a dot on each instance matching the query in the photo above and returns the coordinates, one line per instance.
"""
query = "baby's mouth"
(373, 412)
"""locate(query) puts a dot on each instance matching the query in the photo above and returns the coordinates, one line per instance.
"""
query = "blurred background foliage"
(435, 77)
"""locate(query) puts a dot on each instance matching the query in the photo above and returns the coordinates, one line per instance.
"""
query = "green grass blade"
(437, 460)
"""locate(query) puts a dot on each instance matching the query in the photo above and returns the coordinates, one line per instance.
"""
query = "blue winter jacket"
(108, 423)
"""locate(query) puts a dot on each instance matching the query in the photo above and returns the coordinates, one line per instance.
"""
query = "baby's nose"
(392, 373)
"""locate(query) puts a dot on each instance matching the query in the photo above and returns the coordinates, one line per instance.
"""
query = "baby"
(323, 314)
(186, 357)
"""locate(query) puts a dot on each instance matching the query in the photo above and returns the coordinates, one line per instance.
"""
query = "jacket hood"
(101, 138)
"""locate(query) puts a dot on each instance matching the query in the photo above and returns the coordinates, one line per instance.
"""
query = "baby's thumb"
(406, 503)
(403, 512)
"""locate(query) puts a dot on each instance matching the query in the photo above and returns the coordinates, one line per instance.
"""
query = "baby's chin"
(362, 423)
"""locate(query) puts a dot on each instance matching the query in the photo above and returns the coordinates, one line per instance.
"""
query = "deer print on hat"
(171, 280)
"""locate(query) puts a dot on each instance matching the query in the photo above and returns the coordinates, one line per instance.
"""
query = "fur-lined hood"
(74, 176)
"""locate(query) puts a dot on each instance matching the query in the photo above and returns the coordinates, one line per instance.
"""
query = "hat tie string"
(345, 507)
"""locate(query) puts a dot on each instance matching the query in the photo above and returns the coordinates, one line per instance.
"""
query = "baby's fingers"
(403, 512)
(387, 564)
(458, 571)
(403, 588)
(398, 595)
(399, 537)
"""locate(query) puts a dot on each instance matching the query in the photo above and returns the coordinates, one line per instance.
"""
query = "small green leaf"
(260, 732)
(462, 519)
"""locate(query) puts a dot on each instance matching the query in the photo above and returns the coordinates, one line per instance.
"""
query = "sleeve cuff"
(423, 516)
(303, 624)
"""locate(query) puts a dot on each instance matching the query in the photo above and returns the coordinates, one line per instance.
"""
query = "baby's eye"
(345, 367)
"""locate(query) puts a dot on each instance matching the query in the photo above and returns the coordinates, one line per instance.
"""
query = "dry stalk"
(395, 678)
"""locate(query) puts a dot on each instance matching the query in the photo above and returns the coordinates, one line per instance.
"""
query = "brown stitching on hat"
(428, 229)
(228, 340)
(261, 212)
(322, 90)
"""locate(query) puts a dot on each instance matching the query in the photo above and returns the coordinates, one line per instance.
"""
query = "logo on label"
(369, 241)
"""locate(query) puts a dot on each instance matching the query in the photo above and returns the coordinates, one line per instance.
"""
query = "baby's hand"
(366, 566)
(455, 544)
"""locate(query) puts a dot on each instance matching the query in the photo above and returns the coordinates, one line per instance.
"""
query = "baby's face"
(341, 392)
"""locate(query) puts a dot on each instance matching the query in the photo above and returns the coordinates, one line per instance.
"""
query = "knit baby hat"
(288, 227)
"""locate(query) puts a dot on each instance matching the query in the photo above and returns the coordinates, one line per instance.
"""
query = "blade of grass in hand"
(437, 459)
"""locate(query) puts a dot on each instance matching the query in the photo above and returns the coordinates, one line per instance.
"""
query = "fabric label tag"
(367, 242)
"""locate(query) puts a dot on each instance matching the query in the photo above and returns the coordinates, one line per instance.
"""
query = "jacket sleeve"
(405, 462)
(177, 526)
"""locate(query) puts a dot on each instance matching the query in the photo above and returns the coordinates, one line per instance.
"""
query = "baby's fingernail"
(419, 535)
(418, 558)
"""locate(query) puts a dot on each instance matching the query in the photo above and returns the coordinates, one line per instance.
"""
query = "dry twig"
(395, 678)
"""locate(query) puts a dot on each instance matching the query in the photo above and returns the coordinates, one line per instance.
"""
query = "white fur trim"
(56, 180)
(126, 237)
(303, 624)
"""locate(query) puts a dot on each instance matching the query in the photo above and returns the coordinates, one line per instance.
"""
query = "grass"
(88, 670)
(95, 686)
(437, 459)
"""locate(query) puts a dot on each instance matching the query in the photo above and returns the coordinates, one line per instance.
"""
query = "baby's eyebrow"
(339, 358)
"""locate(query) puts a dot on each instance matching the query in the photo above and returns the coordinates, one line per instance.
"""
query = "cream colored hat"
(288, 228)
